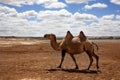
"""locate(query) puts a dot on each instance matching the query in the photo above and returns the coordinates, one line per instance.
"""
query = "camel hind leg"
(95, 55)
(97, 60)
(91, 60)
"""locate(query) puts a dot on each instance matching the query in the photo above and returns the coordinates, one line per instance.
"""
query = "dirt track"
(35, 60)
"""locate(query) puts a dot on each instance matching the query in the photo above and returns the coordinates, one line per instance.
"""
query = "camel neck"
(54, 43)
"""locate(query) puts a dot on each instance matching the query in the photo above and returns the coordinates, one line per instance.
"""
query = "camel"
(61, 46)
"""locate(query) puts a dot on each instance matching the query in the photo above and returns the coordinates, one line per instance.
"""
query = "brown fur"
(82, 36)
(77, 48)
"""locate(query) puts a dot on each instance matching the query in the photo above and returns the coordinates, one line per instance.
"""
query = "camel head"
(50, 36)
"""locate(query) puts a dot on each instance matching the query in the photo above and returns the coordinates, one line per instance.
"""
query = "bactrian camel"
(73, 45)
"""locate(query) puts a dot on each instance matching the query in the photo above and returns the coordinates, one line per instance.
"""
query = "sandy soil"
(22, 59)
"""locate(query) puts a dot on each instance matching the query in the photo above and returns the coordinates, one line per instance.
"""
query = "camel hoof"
(76, 67)
(59, 67)
(87, 69)
(99, 71)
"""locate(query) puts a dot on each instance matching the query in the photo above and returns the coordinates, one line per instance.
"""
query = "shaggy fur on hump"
(82, 36)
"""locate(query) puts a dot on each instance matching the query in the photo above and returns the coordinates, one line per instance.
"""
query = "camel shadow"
(74, 71)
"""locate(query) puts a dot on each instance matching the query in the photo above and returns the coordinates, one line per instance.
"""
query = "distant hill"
(104, 37)
(42, 38)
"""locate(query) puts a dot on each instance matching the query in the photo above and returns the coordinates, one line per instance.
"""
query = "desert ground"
(34, 59)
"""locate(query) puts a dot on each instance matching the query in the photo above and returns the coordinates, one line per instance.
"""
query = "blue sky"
(38, 17)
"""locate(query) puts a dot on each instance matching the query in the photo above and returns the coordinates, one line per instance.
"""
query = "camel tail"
(95, 45)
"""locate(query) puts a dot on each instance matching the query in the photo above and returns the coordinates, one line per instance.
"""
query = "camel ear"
(82, 36)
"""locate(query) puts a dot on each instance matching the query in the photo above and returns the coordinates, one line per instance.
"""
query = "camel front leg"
(62, 59)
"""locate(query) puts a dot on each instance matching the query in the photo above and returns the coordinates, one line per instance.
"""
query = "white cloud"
(108, 17)
(55, 5)
(105, 28)
(27, 14)
(47, 3)
(77, 1)
(115, 2)
(56, 20)
(4, 9)
(48, 14)
(11, 12)
(118, 17)
(17, 2)
(84, 17)
(20, 25)
(96, 5)
(110, 27)
(32, 23)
